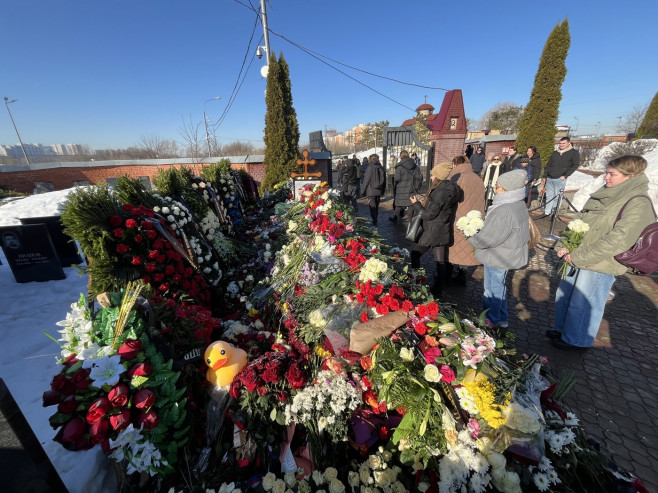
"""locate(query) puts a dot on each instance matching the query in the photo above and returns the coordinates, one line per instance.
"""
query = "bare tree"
(633, 119)
(503, 116)
(152, 145)
(237, 148)
(193, 144)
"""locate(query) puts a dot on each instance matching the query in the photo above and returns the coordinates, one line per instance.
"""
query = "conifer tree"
(281, 127)
(649, 125)
(539, 118)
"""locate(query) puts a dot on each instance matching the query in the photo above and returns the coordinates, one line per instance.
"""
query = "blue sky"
(104, 73)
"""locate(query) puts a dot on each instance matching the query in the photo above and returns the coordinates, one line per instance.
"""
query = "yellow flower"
(323, 353)
(482, 391)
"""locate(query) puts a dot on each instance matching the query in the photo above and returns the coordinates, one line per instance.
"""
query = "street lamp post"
(205, 120)
(14, 124)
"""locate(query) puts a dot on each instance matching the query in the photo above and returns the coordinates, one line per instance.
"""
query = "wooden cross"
(306, 162)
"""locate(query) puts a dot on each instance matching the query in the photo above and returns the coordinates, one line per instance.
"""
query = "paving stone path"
(615, 393)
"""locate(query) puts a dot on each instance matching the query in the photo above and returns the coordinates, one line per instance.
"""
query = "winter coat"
(563, 163)
(527, 168)
(605, 239)
(403, 182)
(502, 243)
(347, 174)
(477, 161)
(439, 214)
(471, 198)
(509, 163)
(535, 168)
(372, 186)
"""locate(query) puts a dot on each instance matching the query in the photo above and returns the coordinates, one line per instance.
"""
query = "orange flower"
(366, 363)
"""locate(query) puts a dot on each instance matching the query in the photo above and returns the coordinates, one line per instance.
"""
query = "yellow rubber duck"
(224, 362)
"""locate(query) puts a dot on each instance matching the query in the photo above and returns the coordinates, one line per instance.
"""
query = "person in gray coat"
(502, 243)
(403, 184)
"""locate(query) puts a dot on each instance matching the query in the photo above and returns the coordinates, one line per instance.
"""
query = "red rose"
(164, 287)
(138, 238)
(431, 354)
(271, 373)
(81, 378)
(130, 349)
(153, 254)
(121, 420)
(98, 409)
(121, 248)
(151, 234)
(119, 395)
(140, 370)
(295, 376)
(169, 270)
(137, 260)
(150, 420)
(422, 311)
(70, 361)
(51, 397)
(447, 374)
(143, 399)
(116, 221)
(98, 431)
(235, 389)
(250, 380)
(159, 277)
(281, 396)
(158, 244)
(117, 232)
(148, 224)
(59, 382)
(71, 435)
(262, 390)
(161, 259)
(150, 267)
(131, 223)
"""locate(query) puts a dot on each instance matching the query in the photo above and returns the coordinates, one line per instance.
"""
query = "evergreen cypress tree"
(281, 127)
(649, 125)
(537, 125)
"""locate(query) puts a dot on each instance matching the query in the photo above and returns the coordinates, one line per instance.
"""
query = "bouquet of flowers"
(470, 224)
(571, 239)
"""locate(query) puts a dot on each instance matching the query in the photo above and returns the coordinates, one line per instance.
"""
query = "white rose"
(336, 486)
(268, 481)
(432, 373)
(279, 486)
(406, 354)
(330, 473)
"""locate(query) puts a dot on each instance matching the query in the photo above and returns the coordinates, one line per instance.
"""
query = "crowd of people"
(501, 191)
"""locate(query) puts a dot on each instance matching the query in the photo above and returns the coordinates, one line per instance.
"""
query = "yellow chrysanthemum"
(482, 391)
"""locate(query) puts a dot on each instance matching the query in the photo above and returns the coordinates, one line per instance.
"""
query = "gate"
(405, 137)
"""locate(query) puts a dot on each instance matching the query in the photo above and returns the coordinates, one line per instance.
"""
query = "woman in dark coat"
(403, 184)
(439, 212)
(535, 166)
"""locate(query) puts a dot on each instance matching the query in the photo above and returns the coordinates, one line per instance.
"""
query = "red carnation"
(420, 328)
(121, 248)
(150, 267)
(120, 421)
(119, 395)
(140, 370)
(431, 354)
(131, 223)
(150, 420)
(130, 349)
(98, 409)
(139, 238)
(422, 311)
(144, 399)
(117, 232)
(137, 260)
(433, 308)
(116, 221)
(235, 389)
(151, 234)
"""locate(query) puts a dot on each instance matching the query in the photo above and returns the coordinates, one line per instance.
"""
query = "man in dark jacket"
(562, 164)
(510, 161)
(403, 184)
(348, 178)
(477, 161)
(374, 184)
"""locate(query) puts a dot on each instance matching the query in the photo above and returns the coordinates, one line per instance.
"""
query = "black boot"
(460, 278)
(437, 289)
(415, 259)
(448, 277)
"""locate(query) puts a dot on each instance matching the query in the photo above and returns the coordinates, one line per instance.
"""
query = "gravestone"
(66, 248)
(30, 253)
(24, 466)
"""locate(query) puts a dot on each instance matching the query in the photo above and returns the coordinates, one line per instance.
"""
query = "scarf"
(568, 148)
(507, 198)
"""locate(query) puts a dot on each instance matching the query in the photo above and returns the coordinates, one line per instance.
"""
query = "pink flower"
(447, 374)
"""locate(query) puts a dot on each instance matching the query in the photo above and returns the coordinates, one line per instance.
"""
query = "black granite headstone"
(24, 466)
(30, 252)
(66, 248)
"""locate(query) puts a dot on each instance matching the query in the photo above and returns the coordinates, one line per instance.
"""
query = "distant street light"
(205, 120)
(14, 124)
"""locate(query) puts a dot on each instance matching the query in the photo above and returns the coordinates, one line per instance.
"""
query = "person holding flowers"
(502, 243)
(439, 208)
(580, 298)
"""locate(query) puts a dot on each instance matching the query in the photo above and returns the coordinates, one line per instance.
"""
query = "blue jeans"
(579, 305)
(495, 295)
(553, 187)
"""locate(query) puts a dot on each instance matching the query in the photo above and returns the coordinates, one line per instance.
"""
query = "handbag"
(415, 228)
(535, 234)
(642, 257)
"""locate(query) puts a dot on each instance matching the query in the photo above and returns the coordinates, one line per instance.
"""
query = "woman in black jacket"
(535, 166)
(439, 209)
(403, 185)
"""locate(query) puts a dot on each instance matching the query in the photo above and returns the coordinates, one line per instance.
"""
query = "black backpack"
(641, 258)
(417, 179)
(380, 178)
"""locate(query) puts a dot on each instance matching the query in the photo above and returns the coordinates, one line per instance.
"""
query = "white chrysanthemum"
(578, 226)
(477, 223)
(541, 481)
(474, 214)
(571, 419)
(469, 230)
(462, 222)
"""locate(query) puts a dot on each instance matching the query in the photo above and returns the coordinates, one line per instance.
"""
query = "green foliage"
(213, 172)
(131, 191)
(649, 125)
(537, 125)
(424, 134)
(281, 127)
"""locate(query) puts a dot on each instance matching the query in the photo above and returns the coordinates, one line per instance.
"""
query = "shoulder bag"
(415, 228)
(535, 234)
(642, 257)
